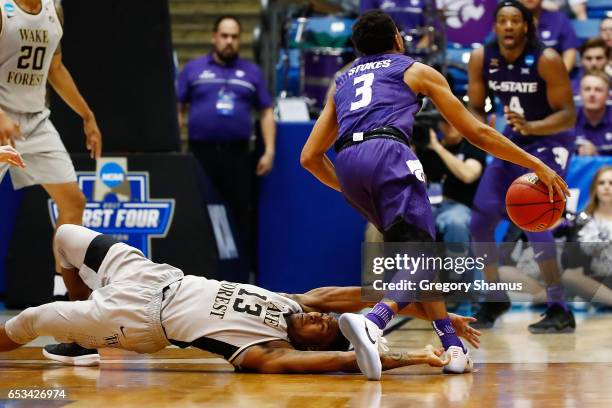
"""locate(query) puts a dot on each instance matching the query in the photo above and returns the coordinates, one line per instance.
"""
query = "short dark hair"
(226, 17)
(595, 42)
(374, 33)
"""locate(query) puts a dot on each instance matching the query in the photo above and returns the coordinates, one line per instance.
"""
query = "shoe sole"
(363, 361)
(81, 361)
(551, 330)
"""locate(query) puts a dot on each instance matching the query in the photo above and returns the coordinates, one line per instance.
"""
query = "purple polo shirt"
(407, 14)
(556, 31)
(203, 81)
(600, 135)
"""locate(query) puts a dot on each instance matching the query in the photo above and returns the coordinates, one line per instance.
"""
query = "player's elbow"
(307, 158)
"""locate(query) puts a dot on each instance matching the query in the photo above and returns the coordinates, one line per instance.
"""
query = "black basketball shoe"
(556, 320)
(71, 353)
(488, 313)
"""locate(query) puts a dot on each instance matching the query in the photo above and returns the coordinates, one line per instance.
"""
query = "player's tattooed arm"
(349, 300)
(430, 355)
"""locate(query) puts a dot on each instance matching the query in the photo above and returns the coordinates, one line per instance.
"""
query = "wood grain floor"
(514, 369)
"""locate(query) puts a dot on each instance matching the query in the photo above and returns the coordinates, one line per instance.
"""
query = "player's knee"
(73, 204)
(22, 328)
(79, 201)
(63, 234)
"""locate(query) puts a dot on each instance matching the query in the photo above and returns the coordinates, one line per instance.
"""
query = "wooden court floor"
(514, 369)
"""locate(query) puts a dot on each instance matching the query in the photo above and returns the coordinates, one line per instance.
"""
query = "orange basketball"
(528, 205)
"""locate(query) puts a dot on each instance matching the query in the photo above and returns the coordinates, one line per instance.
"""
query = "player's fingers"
(559, 187)
(475, 332)
(551, 191)
(472, 342)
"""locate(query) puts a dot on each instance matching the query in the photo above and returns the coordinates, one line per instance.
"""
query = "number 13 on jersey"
(363, 92)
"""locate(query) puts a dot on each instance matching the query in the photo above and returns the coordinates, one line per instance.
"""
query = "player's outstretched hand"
(9, 155)
(9, 130)
(553, 181)
(93, 136)
(436, 356)
(463, 328)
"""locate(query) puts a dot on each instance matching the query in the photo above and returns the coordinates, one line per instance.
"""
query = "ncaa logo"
(112, 175)
(529, 60)
(9, 8)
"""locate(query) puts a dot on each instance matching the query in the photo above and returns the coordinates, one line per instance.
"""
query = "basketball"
(528, 205)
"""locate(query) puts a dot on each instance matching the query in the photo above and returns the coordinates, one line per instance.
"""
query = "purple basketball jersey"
(372, 94)
(519, 87)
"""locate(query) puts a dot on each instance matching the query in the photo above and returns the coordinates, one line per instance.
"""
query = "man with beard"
(219, 91)
(534, 87)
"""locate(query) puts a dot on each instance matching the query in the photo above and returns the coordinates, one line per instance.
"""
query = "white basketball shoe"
(365, 336)
(460, 362)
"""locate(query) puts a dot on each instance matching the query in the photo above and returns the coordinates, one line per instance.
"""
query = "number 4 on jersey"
(515, 106)
(365, 91)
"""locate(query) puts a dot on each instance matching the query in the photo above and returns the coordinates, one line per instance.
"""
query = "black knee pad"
(97, 250)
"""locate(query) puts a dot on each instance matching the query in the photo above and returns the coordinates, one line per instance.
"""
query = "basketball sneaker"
(365, 337)
(71, 353)
(488, 313)
(556, 320)
(460, 362)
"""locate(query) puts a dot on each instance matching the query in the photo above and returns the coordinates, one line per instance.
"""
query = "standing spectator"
(458, 165)
(594, 55)
(220, 90)
(555, 31)
(578, 7)
(605, 32)
(594, 118)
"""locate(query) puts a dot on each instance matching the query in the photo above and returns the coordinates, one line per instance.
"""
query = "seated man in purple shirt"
(220, 90)
(555, 31)
(594, 55)
(594, 119)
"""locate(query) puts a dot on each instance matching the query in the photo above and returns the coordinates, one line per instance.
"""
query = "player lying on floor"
(143, 306)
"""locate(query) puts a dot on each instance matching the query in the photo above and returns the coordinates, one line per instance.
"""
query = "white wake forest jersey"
(225, 318)
(27, 44)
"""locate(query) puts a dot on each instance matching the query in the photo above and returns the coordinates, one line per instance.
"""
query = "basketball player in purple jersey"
(535, 89)
(370, 115)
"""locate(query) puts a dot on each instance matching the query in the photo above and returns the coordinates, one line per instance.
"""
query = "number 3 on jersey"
(364, 91)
